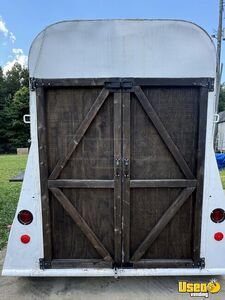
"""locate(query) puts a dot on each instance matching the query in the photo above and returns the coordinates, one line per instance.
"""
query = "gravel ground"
(96, 288)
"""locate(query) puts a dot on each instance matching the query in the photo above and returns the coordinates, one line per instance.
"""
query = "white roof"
(122, 48)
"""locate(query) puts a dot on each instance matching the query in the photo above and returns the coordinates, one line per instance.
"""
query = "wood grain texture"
(43, 164)
(202, 123)
(157, 177)
(163, 263)
(161, 224)
(72, 211)
(117, 176)
(76, 183)
(88, 177)
(155, 82)
(80, 263)
(126, 179)
(79, 133)
(162, 183)
(156, 132)
(163, 132)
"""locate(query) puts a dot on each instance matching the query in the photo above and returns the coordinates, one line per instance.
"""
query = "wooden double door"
(121, 166)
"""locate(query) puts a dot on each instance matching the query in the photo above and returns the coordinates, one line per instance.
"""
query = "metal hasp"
(211, 85)
(32, 84)
(126, 167)
(117, 84)
(45, 264)
(117, 161)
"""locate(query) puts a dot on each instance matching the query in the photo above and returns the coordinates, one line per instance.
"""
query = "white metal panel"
(122, 48)
(112, 272)
(19, 255)
(213, 197)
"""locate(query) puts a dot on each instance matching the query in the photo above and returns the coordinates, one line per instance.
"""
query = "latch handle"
(216, 118)
(117, 164)
(26, 119)
(126, 167)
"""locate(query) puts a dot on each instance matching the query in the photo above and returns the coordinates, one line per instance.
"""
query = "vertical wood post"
(126, 179)
(117, 175)
(43, 165)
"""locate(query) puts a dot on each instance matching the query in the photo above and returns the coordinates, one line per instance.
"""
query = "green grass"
(10, 165)
(222, 175)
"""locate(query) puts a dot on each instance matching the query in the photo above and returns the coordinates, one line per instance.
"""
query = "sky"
(22, 20)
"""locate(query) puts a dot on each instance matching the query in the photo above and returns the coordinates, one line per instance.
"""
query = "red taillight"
(25, 239)
(25, 217)
(218, 215)
(218, 236)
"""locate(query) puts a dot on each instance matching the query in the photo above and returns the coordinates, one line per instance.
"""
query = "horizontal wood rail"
(162, 183)
(80, 263)
(79, 183)
(79, 82)
(164, 263)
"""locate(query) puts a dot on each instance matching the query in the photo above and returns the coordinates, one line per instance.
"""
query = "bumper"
(110, 272)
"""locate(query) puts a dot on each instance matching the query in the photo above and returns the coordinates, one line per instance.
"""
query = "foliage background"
(14, 103)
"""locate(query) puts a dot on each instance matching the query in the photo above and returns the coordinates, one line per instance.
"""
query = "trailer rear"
(121, 177)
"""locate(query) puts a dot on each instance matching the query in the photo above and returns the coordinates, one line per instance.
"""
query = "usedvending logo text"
(199, 289)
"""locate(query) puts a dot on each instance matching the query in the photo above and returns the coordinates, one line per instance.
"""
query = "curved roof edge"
(44, 52)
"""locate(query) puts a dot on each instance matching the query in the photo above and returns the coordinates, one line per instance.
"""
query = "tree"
(14, 103)
(16, 78)
(2, 90)
(17, 131)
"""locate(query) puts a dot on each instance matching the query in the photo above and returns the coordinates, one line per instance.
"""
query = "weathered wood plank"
(117, 175)
(81, 183)
(43, 165)
(126, 179)
(74, 214)
(162, 183)
(203, 105)
(80, 263)
(163, 132)
(161, 224)
(137, 81)
(79, 133)
(163, 263)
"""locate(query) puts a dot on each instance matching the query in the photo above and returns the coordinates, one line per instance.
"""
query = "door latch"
(117, 165)
(126, 167)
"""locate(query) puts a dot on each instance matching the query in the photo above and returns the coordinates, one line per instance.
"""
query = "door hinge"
(201, 263)
(33, 84)
(117, 84)
(211, 85)
(45, 264)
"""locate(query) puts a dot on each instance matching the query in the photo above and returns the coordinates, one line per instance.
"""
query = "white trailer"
(135, 190)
